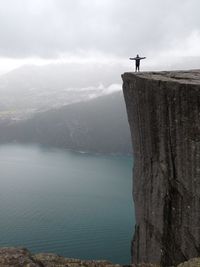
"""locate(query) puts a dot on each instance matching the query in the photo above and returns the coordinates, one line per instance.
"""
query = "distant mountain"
(29, 89)
(98, 125)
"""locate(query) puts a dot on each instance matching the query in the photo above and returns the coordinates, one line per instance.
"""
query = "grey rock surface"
(164, 117)
(191, 263)
(21, 257)
(17, 257)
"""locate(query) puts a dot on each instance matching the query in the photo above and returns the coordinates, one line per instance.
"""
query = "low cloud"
(96, 30)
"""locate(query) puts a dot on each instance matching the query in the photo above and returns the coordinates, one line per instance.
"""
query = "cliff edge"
(164, 116)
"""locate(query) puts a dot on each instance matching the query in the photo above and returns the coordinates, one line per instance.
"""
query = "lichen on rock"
(191, 263)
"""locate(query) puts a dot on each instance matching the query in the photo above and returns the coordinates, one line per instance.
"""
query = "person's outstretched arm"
(132, 58)
(142, 57)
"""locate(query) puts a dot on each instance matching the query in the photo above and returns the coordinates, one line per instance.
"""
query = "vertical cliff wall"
(164, 116)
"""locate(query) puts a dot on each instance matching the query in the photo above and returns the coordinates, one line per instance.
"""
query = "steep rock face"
(164, 116)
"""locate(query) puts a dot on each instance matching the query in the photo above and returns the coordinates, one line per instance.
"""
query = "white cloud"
(39, 31)
(113, 88)
(188, 46)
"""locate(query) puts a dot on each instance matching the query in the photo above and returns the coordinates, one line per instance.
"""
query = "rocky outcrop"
(191, 263)
(164, 116)
(21, 257)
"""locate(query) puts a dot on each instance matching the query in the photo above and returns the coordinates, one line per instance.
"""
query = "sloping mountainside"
(99, 125)
(31, 88)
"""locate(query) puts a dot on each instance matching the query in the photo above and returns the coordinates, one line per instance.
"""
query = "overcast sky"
(42, 31)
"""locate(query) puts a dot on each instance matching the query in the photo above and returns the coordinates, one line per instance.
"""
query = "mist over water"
(74, 204)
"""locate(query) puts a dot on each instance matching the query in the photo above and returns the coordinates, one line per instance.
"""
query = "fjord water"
(73, 204)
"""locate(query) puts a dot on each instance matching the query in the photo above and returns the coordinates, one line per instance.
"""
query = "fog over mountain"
(99, 125)
(67, 52)
(30, 89)
(72, 106)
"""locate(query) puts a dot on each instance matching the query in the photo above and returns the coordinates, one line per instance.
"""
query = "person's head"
(137, 55)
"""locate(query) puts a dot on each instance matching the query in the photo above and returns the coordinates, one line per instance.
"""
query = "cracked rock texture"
(21, 257)
(164, 116)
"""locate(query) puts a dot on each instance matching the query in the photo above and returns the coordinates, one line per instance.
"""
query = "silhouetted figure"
(137, 62)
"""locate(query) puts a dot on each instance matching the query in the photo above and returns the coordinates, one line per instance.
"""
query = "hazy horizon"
(100, 32)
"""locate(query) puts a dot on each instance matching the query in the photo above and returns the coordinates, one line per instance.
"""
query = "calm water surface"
(77, 205)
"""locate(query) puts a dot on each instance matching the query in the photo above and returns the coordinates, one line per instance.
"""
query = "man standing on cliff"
(137, 62)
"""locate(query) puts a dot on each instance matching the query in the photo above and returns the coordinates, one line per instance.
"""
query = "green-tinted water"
(77, 205)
